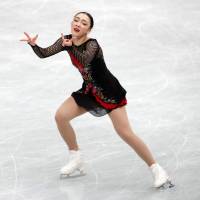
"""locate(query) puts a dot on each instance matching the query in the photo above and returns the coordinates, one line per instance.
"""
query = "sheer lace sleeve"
(87, 55)
(51, 50)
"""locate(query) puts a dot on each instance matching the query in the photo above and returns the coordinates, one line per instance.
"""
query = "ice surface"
(153, 48)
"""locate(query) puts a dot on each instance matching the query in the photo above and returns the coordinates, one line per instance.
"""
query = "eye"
(75, 19)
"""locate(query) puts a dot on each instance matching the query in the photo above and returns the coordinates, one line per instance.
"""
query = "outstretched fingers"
(27, 35)
(27, 39)
(35, 38)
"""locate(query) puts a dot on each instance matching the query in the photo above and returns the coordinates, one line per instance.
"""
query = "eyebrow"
(82, 19)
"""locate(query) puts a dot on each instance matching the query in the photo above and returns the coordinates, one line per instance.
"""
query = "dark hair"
(90, 16)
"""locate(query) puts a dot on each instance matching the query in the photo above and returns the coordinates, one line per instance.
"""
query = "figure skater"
(100, 94)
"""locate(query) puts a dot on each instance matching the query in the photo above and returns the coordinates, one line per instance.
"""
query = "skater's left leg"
(122, 126)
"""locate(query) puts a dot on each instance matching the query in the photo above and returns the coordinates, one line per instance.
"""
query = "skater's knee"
(120, 132)
(61, 116)
(122, 128)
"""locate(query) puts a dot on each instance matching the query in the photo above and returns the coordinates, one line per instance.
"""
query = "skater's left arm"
(86, 56)
(53, 49)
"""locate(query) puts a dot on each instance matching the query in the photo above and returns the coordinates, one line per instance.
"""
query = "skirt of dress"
(89, 102)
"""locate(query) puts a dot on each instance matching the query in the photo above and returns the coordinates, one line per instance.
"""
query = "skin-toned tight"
(69, 110)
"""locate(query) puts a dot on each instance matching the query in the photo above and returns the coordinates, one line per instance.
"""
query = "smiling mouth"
(76, 30)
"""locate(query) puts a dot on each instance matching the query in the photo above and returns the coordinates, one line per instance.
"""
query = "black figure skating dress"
(101, 91)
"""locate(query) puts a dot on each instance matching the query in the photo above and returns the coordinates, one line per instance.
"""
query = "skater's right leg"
(66, 112)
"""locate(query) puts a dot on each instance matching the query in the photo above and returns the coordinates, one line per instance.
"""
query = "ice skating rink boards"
(153, 48)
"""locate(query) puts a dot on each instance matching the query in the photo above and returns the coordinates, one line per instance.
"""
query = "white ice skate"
(75, 163)
(161, 178)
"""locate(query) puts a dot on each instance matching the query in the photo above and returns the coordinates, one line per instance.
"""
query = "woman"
(100, 94)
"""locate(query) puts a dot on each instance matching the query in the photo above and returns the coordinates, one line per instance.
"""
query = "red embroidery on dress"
(90, 85)
(104, 104)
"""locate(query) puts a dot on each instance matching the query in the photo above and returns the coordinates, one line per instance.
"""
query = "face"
(80, 25)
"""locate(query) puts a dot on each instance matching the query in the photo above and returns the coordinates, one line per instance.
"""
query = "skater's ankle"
(74, 149)
(74, 152)
(153, 165)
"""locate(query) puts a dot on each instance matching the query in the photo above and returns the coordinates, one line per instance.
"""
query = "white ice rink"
(153, 48)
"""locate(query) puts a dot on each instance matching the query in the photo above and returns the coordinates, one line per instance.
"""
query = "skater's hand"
(66, 42)
(29, 39)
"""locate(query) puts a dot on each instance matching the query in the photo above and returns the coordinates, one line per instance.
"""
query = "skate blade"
(167, 184)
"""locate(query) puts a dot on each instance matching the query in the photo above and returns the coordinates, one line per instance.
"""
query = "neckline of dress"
(82, 43)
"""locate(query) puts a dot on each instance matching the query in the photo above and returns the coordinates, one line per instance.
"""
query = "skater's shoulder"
(92, 42)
